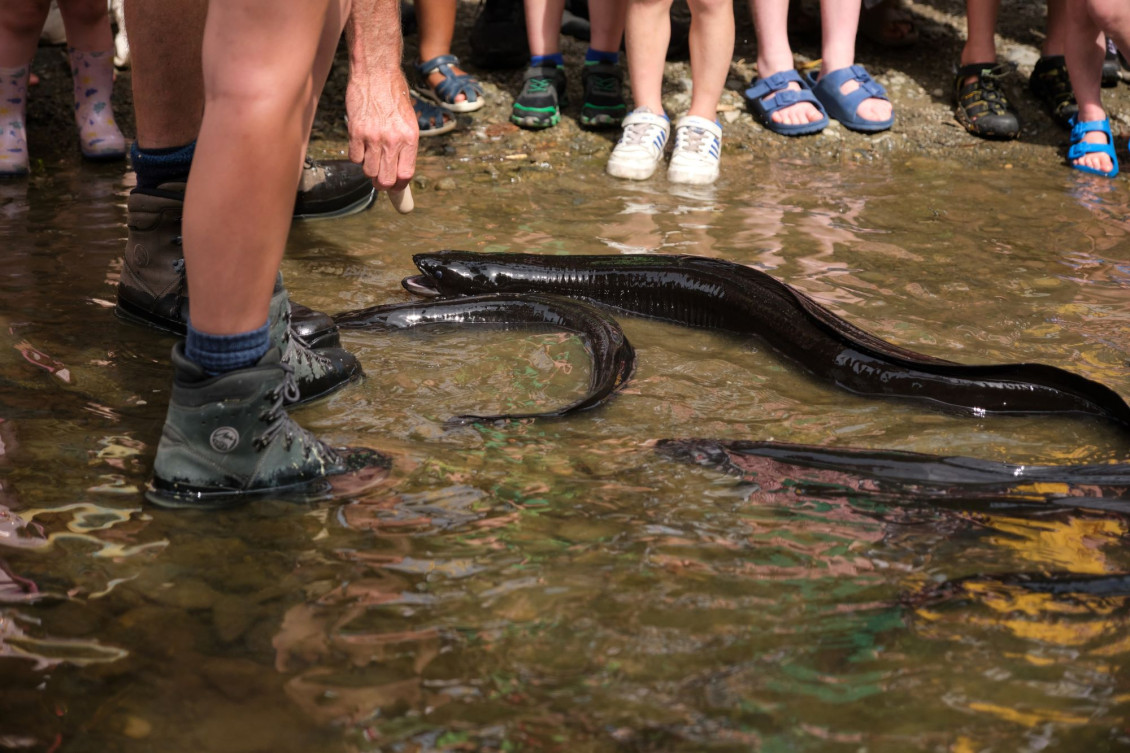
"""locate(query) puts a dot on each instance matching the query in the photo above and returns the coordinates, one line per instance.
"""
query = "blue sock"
(599, 56)
(157, 166)
(219, 354)
(555, 59)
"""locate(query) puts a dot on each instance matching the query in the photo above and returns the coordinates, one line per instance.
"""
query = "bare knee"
(24, 18)
(710, 7)
(84, 12)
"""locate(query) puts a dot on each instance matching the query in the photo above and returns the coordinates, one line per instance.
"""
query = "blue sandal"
(432, 120)
(763, 105)
(445, 92)
(1079, 147)
(842, 107)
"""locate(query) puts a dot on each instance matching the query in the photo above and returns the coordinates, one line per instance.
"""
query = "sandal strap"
(1079, 129)
(869, 88)
(779, 81)
(438, 62)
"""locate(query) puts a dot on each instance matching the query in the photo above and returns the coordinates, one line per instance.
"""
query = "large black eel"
(896, 475)
(703, 292)
(612, 354)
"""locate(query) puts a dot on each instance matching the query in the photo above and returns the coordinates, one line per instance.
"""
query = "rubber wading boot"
(316, 372)
(228, 439)
(332, 188)
(153, 289)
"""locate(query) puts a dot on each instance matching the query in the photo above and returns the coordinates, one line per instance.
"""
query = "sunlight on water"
(561, 585)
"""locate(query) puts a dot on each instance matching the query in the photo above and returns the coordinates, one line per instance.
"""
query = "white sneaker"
(698, 149)
(640, 148)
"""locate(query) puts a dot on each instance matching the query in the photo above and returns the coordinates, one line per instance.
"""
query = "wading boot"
(153, 289)
(317, 372)
(228, 438)
(333, 188)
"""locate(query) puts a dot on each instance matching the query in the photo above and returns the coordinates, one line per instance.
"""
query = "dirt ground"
(918, 78)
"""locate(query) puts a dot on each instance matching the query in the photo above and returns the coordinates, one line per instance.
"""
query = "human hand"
(383, 133)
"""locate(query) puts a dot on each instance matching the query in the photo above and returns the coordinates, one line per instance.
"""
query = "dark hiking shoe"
(498, 35)
(981, 105)
(153, 290)
(542, 97)
(1050, 84)
(603, 104)
(334, 188)
(228, 438)
(317, 372)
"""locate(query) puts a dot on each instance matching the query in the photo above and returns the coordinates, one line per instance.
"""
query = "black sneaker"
(542, 97)
(981, 105)
(603, 104)
(228, 438)
(153, 290)
(333, 188)
(1050, 84)
(498, 35)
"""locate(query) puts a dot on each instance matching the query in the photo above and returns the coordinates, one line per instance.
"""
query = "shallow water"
(560, 585)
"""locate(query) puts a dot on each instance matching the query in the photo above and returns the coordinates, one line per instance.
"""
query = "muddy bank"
(918, 78)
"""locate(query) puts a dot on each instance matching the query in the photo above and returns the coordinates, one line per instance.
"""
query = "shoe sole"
(692, 179)
(618, 170)
(460, 107)
(355, 208)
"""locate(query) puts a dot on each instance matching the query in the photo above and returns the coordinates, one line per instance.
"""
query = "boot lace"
(278, 422)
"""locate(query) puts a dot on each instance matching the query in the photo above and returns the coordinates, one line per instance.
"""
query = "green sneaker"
(228, 439)
(543, 95)
(603, 104)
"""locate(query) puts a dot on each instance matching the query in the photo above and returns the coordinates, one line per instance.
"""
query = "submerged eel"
(612, 354)
(703, 292)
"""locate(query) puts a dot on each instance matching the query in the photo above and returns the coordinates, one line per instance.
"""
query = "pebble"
(446, 184)
(137, 728)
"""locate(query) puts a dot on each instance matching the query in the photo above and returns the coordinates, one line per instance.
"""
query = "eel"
(703, 292)
(896, 475)
(612, 355)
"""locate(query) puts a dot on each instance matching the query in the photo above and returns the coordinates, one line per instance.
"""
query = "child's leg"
(543, 26)
(1084, 50)
(91, 49)
(712, 49)
(437, 27)
(606, 20)
(840, 20)
(648, 32)
(1113, 17)
(774, 55)
(20, 24)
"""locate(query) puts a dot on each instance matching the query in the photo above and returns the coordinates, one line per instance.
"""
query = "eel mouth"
(421, 285)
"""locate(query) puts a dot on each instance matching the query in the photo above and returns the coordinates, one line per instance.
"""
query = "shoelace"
(637, 134)
(990, 92)
(695, 140)
(539, 85)
(276, 417)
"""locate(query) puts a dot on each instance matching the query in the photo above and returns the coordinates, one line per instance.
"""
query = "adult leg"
(226, 433)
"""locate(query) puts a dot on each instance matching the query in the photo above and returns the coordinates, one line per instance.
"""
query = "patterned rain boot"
(13, 106)
(93, 74)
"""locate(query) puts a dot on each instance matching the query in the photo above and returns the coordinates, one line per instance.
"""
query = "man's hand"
(383, 132)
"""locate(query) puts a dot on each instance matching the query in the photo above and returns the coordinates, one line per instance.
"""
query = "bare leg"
(606, 20)
(88, 25)
(712, 49)
(1085, 49)
(770, 19)
(21, 21)
(981, 28)
(168, 84)
(1055, 31)
(258, 82)
(648, 30)
(543, 26)
(436, 19)
(840, 20)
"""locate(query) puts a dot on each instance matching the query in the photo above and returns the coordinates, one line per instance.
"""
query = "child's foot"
(698, 150)
(1092, 147)
(93, 74)
(542, 97)
(13, 106)
(784, 104)
(640, 148)
(603, 105)
(855, 99)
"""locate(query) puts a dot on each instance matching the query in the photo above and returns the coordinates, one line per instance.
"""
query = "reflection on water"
(560, 585)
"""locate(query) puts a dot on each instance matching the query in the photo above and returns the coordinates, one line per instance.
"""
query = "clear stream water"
(560, 586)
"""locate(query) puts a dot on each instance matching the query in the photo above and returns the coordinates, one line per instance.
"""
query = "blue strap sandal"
(432, 120)
(445, 92)
(772, 93)
(1079, 147)
(843, 107)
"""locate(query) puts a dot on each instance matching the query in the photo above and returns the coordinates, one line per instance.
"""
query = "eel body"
(713, 293)
(613, 357)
